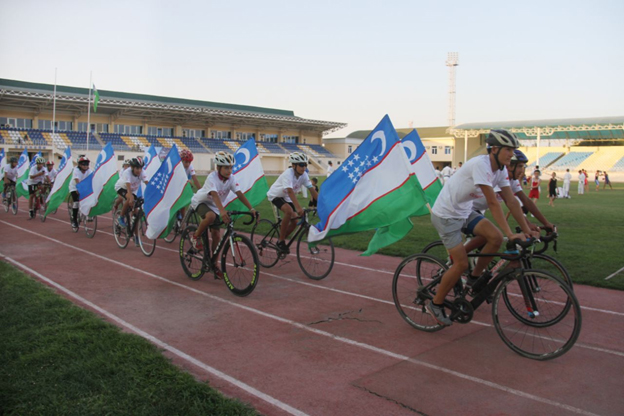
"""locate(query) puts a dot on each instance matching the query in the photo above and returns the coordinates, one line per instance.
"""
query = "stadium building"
(133, 122)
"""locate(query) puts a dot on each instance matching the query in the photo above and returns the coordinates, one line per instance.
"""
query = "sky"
(342, 61)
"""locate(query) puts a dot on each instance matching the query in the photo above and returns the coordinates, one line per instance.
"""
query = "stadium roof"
(546, 127)
(178, 111)
(423, 132)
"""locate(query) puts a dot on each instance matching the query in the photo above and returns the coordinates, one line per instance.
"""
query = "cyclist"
(128, 185)
(119, 199)
(50, 176)
(453, 211)
(187, 157)
(207, 202)
(35, 180)
(282, 195)
(10, 176)
(80, 173)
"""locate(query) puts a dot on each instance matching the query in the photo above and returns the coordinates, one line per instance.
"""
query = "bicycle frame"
(302, 227)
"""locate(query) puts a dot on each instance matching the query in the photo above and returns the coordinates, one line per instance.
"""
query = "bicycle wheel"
(148, 245)
(264, 236)
(173, 233)
(89, 224)
(70, 207)
(552, 331)
(317, 260)
(7, 201)
(42, 209)
(408, 289)
(15, 204)
(239, 263)
(550, 265)
(192, 260)
(119, 232)
(437, 250)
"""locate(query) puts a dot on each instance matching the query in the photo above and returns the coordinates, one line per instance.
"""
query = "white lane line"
(241, 385)
(338, 338)
(610, 276)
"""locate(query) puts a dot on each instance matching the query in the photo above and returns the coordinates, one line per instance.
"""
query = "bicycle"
(136, 227)
(537, 260)
(541, 319)
(315, 259)
(238, 253)
(10, 200)
(190, 217)
(89, 223)
(44, 192)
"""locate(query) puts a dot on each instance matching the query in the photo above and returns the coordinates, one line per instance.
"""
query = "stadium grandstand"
(132, 122)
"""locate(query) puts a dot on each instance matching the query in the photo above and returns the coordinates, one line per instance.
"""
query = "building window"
(244, 136)
(269, 138)
(60, 125)
(291, 139)
(127, 129)
(220, 134)
(160, 131)
(193, 133)
(19, 123)
(349, 149)
(447, 150)
(434, 150)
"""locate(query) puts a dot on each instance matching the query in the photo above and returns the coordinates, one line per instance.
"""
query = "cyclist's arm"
(195, 182)
(497, 211)
(129, 194)
(530, 205)
(515, 209)
(241, 196)
(294, 200)
(220, 207)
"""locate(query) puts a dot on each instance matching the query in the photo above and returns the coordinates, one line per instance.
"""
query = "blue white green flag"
(23, 170)
(249, 176)
(60, 189)
(97, 191)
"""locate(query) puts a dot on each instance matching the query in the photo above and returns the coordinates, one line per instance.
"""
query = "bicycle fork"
(527, 295)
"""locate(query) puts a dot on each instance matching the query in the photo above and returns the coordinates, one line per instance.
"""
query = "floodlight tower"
(452, 61)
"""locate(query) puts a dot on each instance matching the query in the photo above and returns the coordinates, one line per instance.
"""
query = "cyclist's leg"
(75, 197)
(32, 190)
(289, 223)
(485, 229)
(215, 236)
(207, 216)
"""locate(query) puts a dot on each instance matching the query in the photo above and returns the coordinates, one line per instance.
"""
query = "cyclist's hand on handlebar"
(300, 212)
(519, 236)
(225, 217)
(534, 234)
(256, 214)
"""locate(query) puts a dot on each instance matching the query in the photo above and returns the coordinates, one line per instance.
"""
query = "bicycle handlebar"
(253, 218)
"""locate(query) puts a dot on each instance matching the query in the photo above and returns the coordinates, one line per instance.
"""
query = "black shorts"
(552, 194)
(123, 192)
(279, 202)
(203, 209)
(33, 188)
(75, 196)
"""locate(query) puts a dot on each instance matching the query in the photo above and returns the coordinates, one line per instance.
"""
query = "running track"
(334, 347)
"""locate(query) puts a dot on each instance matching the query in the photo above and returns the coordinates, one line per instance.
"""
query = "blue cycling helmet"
(519, 157)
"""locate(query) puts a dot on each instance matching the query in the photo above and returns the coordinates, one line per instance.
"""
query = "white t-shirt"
(77, 174)
(447, 171)
(51, 175)
(10, 172)
(459, 192)
(567, 177)
(287, 180)
(128, 177)
(214, 183)
(582, 178)
(34, 171)
(190, 171)
(438, 173)
(330, 170)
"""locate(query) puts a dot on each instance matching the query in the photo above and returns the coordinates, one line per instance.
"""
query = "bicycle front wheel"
(264, 236)
(14, 205)
(240, 265)
(409, 293)
(90, 225)
(148, 245)
(119, 232)
(316, 260)
(70, 207)
(192, 260)
(173, 233)
(42, 209)
(551, 316)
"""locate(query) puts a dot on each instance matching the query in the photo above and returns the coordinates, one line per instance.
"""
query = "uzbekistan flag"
(152, 164)
(423, 168)
(23, 169)
(97, 191)
(2, 163)
(165, 194)
(249, 176)
(59, 191)
(373, 188)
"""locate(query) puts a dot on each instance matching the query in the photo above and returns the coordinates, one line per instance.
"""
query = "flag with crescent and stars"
(249, 176)
(60, 189)
(423, 168)
(373, 188)
(97, 191)
(166, 193)
(151, 165)
(23, 171)
(2, 163)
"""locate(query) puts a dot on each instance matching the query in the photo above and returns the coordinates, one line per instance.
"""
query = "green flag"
(96, 98)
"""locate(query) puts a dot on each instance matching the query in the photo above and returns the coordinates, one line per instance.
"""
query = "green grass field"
(591, 229)
(58, 359)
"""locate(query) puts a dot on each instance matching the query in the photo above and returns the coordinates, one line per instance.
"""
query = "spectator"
(446, 173)
(597, 180)
(313, 201)
(566, 184)
(606, 181)
(534, 193)
(439, 174)
(581, 183)
(330, 168)
(586, 180)
(552, 189)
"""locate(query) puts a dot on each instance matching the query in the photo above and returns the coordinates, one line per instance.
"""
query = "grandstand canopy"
(177, 111)
(608, 128)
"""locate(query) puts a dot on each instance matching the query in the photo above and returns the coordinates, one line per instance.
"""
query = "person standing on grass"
(552, 189)
(566, 184)
(534, 193)
(586, 180)
(313, 202)
(607, 181)
(597, 180)
(330, 168)
(581, 182)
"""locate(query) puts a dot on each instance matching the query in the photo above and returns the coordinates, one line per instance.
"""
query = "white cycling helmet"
(224, 159)
(502, 138)
(297, 157)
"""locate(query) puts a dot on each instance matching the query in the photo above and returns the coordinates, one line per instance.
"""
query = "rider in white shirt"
(10, 175)
(35, 180)
(50, 175)
(128, 184)
(80, 173)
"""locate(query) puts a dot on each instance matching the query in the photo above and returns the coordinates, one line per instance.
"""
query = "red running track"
(334, 347)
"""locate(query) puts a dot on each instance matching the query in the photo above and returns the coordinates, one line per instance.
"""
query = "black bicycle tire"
(575, 307)
(308, 273)
(118, 230)
(182, 251)
(395, 296)
(170, 238)
(144, 245)
(87, 229)
(224, 254)
(15, 204)
(274, 231)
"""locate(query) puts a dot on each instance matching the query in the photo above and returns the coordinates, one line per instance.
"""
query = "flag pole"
(54, 113)
(89, 109)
